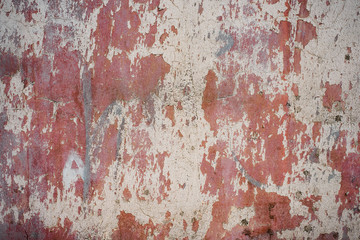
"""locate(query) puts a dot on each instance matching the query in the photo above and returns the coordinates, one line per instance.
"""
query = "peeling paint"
(168, 119)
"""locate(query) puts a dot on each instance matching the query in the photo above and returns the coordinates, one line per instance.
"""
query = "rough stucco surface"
(180, 119)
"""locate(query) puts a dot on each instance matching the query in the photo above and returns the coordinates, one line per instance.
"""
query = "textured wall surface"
(174, 119)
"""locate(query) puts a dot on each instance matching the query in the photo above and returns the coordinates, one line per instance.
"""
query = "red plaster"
(127, 194)
(170, 113)
(305, 32)
(332, 95)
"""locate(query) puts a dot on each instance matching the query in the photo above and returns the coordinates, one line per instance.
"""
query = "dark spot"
(298, 194)
(306, 173)
(356, 209)
(347, 57)
(271, 206)
(338, 118)
(288, 104)
(247, 232)
(270, 232)
(146, 192)
(308, 228)
(160, 9)
(244, 222)
(297, 97)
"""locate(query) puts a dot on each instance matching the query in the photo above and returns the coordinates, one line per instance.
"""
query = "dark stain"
(244, 222)
(247, 232)
(308, 228)
(338, 118)
(347, 57)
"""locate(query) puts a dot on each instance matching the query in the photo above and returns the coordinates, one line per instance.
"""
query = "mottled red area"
(136, 114)
(195, 224)
(141, 143)
(184, 225)
(303, 12)
(209, 99)
(170, 113)
(58, 107)
(125, 30)
(316, 130)
(218, 181)
(257, 107)
(272, 214)
(332, 95)
(271, 210)
(329, 236)
(106, 153)
(179, 106)
(241, 233)
(349, 167)
(305, 32)
(174, 29)
(309, 202)
(295, 89)
(163, 37)
(34, 228)
(127, 194)
(27, 8)
(284, 36)
(9, 64)
(129, 228)
(272, 1)
(124, 80)
(297, 61)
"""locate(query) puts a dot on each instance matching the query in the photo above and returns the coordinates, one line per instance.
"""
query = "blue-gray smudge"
(118, 145)
(333, 133)
(247, 176)
(229, 42)
(86, 77)
(119, 139)
(331, 176)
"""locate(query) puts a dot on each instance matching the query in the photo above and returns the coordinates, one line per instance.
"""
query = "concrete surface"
(180, 119)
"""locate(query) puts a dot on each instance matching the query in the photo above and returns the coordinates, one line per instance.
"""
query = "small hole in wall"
(244, 222)
(338, 118)
(308, 228)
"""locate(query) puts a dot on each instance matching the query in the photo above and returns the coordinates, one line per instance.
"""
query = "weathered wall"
(180, 119)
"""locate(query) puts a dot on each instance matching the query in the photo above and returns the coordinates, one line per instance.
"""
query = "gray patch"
(118, 145)
(331, 176)
(87, 113)
(229, 42)
(333, 133)
(314, 155)
(247, 176)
